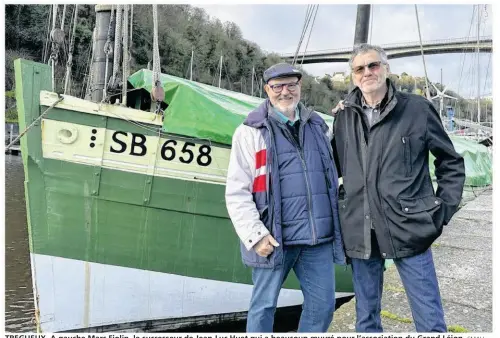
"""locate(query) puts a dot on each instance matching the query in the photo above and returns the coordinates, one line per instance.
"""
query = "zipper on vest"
(301, 155)
(327, 178)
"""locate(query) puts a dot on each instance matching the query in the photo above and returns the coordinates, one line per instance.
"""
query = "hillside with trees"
(182, 29)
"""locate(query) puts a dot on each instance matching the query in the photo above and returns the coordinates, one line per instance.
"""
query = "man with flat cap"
(281, 195)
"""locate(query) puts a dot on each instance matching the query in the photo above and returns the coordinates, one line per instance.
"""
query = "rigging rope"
(304, 29)
(487, 72)
(70, 56)
(116, 60)
(423, 58)
(131, 29)
(86, 71)
(46, 46)
(472, 68)
(108, 50)
(53, 54)
(89, 89)
(125, 55)
(156, 50)
(63, 17)
(462, 66)
(33, 123)
(310, 31)
(54, 18)
(157, 92)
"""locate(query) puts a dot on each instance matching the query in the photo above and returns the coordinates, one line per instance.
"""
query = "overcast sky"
(277, 28)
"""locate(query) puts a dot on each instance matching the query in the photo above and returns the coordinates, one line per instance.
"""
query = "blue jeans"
(313, 266)
(420, 282)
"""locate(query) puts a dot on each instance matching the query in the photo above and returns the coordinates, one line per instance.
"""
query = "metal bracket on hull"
(97, 172)
(96, 182)
(148, 184)
(147, 190)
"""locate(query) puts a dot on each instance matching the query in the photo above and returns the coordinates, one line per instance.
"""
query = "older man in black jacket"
(388, 207)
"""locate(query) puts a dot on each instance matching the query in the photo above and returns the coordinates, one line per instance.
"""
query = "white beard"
(290, 109)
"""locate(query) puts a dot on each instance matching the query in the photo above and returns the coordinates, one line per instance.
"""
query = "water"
(19, 304)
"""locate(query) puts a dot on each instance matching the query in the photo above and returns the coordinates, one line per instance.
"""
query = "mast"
(220, 70)
(362, 24)
(361, 29)
(441, 78)
(191, 73)
(98, 65)
(253, 71)
(441, 99)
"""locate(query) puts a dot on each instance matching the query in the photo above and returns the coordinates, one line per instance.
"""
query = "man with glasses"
(388, 206)
(281, 195)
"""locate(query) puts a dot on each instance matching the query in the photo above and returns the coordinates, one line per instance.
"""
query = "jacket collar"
(257, 118)
(356, 96)
(354, 99)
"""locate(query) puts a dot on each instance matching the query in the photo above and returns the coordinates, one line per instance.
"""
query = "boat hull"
(126, 223)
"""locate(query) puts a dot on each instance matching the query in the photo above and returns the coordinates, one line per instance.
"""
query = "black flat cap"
(281, 70)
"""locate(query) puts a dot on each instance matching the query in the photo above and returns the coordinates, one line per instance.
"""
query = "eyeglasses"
(372, 66)
(278, 88)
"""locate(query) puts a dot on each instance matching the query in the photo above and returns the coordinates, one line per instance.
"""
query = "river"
(19, 305)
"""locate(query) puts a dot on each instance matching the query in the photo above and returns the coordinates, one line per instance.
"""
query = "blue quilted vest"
(306, 217)
(319, 223)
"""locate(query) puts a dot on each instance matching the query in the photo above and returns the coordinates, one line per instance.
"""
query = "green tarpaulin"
(477, 159)
(207, 112)
(200, 110)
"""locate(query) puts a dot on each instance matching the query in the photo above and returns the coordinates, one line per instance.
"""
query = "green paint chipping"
(394, 288)
(457, 329)
(436, 245)
(392, 316)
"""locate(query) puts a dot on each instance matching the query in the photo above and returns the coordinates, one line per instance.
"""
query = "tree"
(181, 29)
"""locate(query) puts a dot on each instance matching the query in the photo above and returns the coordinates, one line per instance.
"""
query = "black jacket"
(386, 175)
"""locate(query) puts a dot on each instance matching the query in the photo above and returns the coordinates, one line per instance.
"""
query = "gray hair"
(365, 48)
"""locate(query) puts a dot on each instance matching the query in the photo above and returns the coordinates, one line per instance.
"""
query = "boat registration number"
(135, 144)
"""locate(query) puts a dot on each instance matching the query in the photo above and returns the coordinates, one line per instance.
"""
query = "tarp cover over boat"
(199, 110)
(207, 112)
(478, 162)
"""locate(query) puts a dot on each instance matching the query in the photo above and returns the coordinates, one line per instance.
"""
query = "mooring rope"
(32, 124)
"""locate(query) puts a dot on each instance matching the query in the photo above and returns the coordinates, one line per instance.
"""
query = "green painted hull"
(96, 214)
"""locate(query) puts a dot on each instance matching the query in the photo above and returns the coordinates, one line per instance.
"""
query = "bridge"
(399, 50)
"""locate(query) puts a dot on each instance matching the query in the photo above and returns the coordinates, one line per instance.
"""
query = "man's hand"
(340, 106)
(266, 246)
